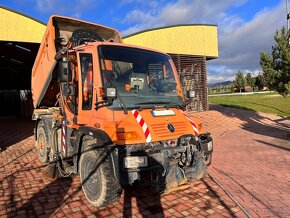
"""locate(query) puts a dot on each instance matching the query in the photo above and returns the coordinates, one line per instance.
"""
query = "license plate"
(163, 113)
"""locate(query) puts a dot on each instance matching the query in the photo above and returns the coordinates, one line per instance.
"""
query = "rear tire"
(97, 179)
(42, 143)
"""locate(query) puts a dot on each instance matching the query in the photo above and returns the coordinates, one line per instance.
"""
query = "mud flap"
(197, 171)
(174, 177)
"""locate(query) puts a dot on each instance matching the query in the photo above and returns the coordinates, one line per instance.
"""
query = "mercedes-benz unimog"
(112, 113)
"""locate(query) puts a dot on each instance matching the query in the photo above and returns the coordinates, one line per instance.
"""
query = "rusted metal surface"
(192, 71)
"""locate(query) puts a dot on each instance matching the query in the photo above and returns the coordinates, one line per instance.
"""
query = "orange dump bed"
(57, 35)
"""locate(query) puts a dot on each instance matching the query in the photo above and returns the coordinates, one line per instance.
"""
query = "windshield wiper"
(122, 104)
(153, 102)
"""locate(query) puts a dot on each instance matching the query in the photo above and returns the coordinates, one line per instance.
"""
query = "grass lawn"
(271, 103)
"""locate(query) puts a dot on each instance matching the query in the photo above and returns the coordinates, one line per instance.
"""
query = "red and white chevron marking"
(32, 95)
(143, 125)
(191, 122)
(63, 137)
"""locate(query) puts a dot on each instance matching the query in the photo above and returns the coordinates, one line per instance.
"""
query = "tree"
(240, 80)
(276, 66)
(260, 81)
(250, 80)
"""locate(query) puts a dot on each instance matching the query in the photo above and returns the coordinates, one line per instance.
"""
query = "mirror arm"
(60, 54)
(104, 103)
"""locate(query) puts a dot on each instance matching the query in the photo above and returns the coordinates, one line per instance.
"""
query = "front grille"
(161, 129)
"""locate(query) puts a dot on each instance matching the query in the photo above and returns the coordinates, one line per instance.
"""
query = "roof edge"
(22, 14)
(165, 27)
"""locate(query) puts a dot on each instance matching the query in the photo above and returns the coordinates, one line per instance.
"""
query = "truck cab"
(112, 113)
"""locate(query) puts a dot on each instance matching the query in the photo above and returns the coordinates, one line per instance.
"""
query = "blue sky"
(245, 27)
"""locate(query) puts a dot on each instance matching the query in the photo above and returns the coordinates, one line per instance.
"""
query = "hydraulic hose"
(56, 155)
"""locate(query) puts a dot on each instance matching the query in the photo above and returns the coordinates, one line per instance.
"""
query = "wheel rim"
(41, 144)
(91, 179)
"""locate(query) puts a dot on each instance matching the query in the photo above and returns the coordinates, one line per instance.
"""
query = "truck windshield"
(143, 79)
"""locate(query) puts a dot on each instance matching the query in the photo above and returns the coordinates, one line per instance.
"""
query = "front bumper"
(166, 164)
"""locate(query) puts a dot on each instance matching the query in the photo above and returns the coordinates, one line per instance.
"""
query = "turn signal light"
(127, 135)
(199, 127)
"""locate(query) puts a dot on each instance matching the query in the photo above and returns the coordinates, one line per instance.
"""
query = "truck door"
(86, 87)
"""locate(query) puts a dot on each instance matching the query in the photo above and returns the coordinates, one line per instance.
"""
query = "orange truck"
(113, 113)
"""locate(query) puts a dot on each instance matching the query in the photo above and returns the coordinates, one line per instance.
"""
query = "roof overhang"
(18, 27)
(191, 39)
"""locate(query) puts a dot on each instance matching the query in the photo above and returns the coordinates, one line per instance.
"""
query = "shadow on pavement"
(257, 123)
(14, 130)
(50, 199)
(281, 146)
(45, 201)
(143, 200)
(250, 193)
(214, 194)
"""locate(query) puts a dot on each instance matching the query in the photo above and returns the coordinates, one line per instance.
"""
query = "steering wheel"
(164, 85)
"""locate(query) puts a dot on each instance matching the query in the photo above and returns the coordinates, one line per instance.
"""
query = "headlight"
(135, 161)
(209, 146)
(206, 142)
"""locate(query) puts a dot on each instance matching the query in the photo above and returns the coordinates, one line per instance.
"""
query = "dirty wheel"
(42, 143)
(97, 179)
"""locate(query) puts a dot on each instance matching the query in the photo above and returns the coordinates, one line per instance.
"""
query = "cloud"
(185, 11)
(240, 42)
(150, 3)
(139, 20)
(136, 16)
(221, 73)
(179, 12)
(253, 36)
(239, 48)
(125, 2)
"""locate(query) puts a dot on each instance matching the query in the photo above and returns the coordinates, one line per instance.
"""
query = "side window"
(87, 80)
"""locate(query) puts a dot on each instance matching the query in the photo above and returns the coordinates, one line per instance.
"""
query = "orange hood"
(150, 126)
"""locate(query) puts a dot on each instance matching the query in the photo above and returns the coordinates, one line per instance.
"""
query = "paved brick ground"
(25, 192)
(252, 159)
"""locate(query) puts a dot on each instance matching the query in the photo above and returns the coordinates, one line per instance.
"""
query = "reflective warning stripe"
(191, 122)
(32, 95)
(143, 125)
(63, 138)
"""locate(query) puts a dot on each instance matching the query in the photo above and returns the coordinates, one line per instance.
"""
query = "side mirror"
(190, 94)
(63, 73)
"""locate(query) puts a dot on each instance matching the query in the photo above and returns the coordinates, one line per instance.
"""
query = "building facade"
(190, 47)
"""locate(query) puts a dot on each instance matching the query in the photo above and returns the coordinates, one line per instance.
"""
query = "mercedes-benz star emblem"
(170, 127)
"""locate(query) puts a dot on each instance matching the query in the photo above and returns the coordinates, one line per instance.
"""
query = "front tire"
(98, 182)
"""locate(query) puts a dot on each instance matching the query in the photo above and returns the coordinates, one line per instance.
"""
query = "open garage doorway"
(16, 62)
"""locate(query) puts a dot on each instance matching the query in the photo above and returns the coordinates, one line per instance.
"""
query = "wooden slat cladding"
(192, 72)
